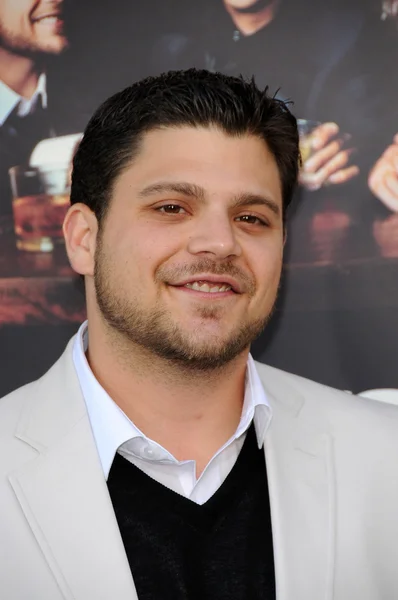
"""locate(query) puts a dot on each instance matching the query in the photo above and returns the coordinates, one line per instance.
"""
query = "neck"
(20, 73)
(191, 414)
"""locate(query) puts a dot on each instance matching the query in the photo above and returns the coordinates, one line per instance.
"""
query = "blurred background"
(337, 315)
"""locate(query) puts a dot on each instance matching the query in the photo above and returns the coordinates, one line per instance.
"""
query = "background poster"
(337, 315)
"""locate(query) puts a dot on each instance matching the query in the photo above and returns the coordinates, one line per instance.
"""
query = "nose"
(214, 234)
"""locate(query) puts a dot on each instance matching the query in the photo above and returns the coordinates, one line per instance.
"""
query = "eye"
(252, 220)
(171, 209)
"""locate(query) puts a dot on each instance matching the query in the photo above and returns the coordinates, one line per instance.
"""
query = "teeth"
(47, 20)
(205, 287)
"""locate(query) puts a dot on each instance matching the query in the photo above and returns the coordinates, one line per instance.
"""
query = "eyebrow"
(183, 188)
(195, 191)
(243, 200)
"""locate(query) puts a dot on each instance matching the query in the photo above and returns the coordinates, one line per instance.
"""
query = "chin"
(55, 46)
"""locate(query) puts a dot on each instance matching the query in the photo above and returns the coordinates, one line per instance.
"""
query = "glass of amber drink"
(306, 129)
(40, 203)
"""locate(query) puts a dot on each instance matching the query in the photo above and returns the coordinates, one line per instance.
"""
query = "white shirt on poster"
(10, 99)
(114, 432)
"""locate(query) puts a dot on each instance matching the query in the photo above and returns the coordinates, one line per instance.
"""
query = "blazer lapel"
(63, 493)
(301, 488)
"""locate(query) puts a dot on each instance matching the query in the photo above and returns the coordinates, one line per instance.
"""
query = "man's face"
(28, 26)
(189, 257)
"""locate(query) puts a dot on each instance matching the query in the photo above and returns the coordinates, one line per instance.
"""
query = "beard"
(155, 331)
(31, 47)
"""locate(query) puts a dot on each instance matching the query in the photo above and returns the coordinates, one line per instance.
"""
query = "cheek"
(270, 281)
(268, 273)
(156, 246)
(266, 257)
(24, 23)
(135, 257)
(22, 29)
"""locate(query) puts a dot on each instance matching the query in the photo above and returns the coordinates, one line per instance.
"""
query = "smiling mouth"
(50, 18)
(208, 287)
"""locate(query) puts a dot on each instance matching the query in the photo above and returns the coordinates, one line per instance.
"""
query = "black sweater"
(177, 549)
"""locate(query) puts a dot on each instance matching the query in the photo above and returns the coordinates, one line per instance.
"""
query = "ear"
(80, 232)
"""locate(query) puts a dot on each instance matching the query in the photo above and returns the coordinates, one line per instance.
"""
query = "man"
(31, 32)
(257, 33)
(257, 37)
(135, 468)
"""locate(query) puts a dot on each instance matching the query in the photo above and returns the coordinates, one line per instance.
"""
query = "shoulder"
(277, 377)
(316, 398)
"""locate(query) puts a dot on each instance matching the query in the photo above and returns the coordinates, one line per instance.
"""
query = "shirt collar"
(255, 405)
(111, 427)
(10, 99)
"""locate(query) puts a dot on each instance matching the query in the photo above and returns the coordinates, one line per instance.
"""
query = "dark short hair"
(195, 98)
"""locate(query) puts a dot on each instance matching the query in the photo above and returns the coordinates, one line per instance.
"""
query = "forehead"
(209, 157)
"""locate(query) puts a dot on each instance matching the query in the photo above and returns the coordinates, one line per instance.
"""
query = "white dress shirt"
(114, 432)
(10, 99)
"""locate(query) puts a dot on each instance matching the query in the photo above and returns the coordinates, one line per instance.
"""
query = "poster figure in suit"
(32, 34)
(255, 37)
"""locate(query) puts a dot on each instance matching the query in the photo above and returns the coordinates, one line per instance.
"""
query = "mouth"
(211, 285)
(51, 18)
(208, 287)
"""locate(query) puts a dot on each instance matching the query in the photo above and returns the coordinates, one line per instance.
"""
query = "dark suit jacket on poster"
(335, 61)
(19, 135)
(296, 52)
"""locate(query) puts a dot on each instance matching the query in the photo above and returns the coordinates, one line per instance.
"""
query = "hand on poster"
(389, 9)
(383, 178)
(325, 159)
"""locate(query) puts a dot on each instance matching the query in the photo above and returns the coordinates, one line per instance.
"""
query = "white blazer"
(332, 462)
